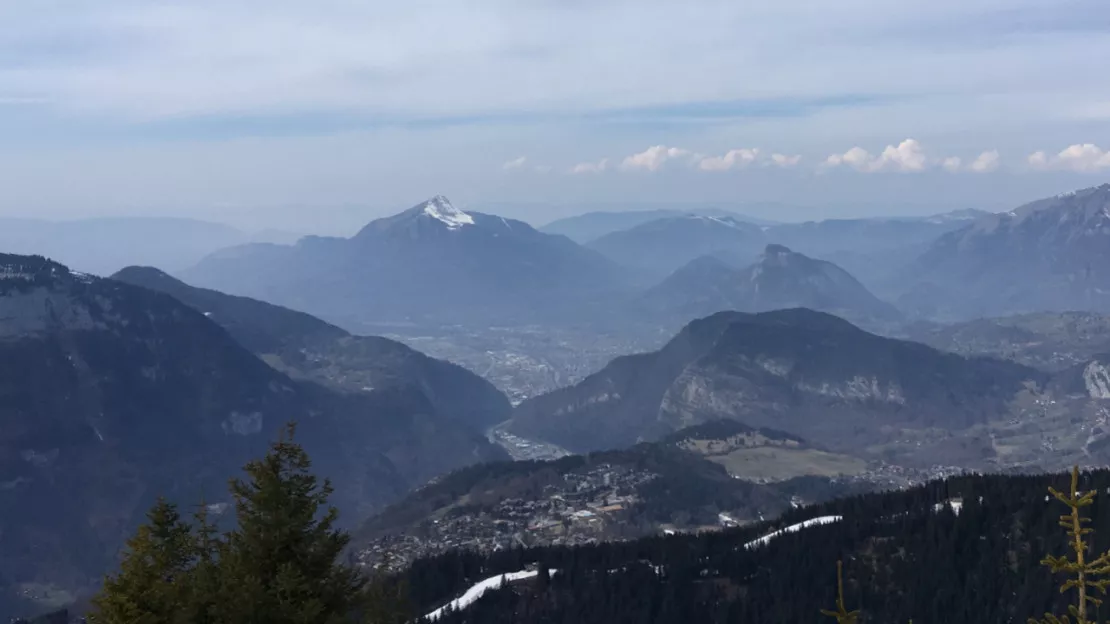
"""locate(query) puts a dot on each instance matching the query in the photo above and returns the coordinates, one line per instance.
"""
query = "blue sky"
(294, 114)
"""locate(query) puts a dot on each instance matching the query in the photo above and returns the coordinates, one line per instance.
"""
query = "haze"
(318, 117)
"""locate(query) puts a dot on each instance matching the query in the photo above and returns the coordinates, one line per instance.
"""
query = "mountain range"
(593, 225)
(660, 245)
(1048, 255)
(432, 263)
(112, 394)
(436, 265)
(779, 279)
(871, 246)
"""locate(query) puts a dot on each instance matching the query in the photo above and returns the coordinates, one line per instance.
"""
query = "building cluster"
(586, 507)
(886, 476)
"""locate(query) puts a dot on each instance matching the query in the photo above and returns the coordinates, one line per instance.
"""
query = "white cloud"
(1081, 157)
(854, 72)
(590, 167)
(907, 156)
(784, 161)
(733, 159)
(986, 162)
(515, 163)
(653, 158)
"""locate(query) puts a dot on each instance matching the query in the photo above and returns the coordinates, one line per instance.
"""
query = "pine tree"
(150, 587)
(1087, 576)
(279, 566)
(282, 559)
(201, 603)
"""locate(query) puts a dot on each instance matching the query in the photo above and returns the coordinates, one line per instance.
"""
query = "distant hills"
(872, 246)
(591, 226)
(1049, 255)
(779, 279)
(662, 244)
(104, 245)
(432, 263)
(112, 394)
(437, 265)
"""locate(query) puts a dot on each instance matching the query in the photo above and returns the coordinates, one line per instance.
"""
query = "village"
(585, 508)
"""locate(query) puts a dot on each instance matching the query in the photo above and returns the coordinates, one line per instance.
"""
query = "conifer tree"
(281, 565)
(1086, 575)
(201, 600)
(282, 559)
(151, 584)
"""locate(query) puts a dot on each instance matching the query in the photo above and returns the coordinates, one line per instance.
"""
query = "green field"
(776, 463)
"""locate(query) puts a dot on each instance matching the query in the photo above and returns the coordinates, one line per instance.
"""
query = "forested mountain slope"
(961, 551)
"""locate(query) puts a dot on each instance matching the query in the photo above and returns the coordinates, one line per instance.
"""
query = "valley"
(524, 362)
(720, 396)
(554, 312)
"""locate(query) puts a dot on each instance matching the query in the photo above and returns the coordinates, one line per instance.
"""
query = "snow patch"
(440, 209)
(477, 590)
(956, 504)
(794, 528)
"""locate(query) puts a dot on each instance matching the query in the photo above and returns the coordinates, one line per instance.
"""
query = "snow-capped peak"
(440, 209)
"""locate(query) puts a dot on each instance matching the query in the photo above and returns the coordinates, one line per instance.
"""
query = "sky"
(313, 115)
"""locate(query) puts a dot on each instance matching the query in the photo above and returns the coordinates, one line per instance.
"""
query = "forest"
(906, 555)
(969, 549)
